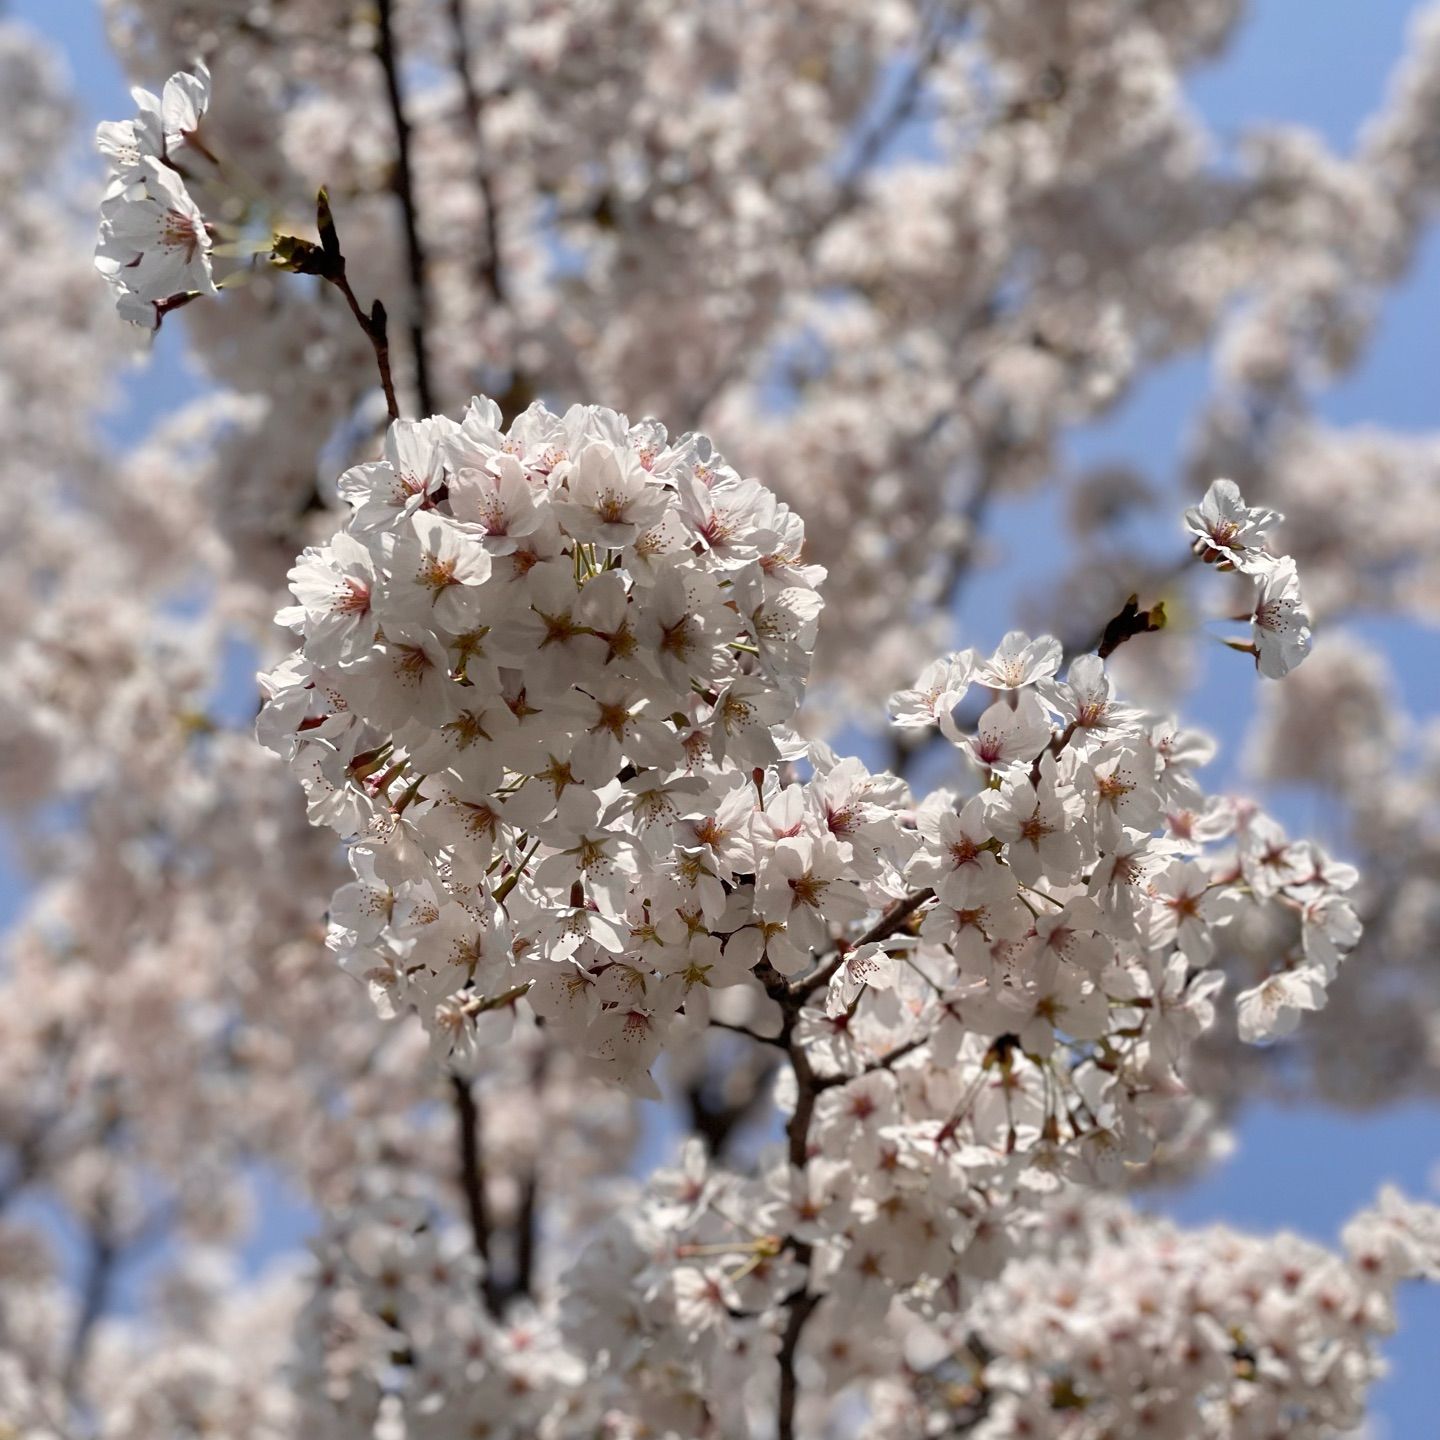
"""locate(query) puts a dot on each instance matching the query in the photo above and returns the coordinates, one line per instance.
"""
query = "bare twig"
(385, 52)
(327, 260)
(376, 328)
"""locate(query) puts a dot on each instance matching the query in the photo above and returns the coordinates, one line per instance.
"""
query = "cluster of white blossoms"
(1113, 1323)
(543, 674)
(545, 688)
(1068, 1315)
(1230, 535)
(155, 243)
(1092, 873)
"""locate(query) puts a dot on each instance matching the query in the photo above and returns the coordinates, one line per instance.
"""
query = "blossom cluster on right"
(1231, 535)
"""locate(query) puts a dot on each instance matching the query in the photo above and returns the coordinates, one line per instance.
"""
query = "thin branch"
(522, 1252)
(829, 1082)
(895, 917)
(527, 1238)
(890, 923)
(327, 260)
(799, 1309)
(101, 1257)
(472, 1186)
(748, 1033)
(527, 1220)
(404, 186)
(799, 1305)
(488, 265)
(377, 331)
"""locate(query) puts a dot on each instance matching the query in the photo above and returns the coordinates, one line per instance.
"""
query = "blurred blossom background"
(991, 406)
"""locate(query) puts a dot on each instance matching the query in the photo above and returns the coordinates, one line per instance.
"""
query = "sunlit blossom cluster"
(542, 670)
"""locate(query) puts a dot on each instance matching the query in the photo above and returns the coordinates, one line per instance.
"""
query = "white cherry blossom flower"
(155, 244)
(1229, 530)
(1272, 1008)
(1010, 736)
(334, 584)
(1020, 661)
(436, 571)
(1038, 823)
(941, 687)
(1280, 625)
(611, 497)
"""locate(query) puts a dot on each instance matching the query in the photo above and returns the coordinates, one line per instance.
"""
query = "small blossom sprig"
(1230, 535)
(155, 245)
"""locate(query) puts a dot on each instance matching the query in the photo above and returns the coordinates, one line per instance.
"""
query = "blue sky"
(1321, 63)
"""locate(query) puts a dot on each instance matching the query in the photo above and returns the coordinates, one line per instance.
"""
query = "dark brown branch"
(101, 1257)
(730, 1090)
(527, 1238)
(747, 1033)
(799, 1309)
(893, 920)
(890, 923)
(801, 1304)
(488, 265)
(377, 331)
(327, 260)
(828, 1082)
(472, 1186)
(518, 1281)
(404, 187)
